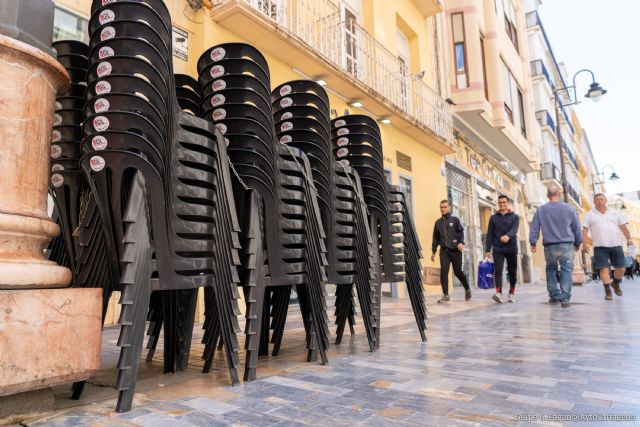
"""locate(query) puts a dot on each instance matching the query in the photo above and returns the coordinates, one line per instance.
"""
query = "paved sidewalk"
(485, 364)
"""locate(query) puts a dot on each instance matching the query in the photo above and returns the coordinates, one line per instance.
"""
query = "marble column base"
(48, 337)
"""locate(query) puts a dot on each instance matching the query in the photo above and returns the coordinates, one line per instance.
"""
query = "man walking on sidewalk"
(561, 233)
(448, 233)
(502, 237)
(605, 226)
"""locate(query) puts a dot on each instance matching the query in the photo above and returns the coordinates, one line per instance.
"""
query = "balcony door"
(352, 37)
(403, 72)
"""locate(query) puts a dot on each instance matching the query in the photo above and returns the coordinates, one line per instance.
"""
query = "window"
(484, 69)
(405, 185)
(513, 100)
(459, 50)
(68, 26)
(509, 22)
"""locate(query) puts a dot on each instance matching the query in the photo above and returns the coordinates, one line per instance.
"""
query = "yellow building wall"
(429, 186)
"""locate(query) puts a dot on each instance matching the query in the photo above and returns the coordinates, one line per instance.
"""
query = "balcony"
(573, 193)
(567, 151)
(549, 171)
(539, 69)
(428, 7)
(311, 36)
(544, 119)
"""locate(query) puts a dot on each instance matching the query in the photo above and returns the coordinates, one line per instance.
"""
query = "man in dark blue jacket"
(502, 238)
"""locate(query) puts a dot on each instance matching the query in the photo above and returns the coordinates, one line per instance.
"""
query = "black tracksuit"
(504, 225)
(448, 232)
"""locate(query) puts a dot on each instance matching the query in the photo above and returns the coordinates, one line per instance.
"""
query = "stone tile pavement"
(521, 364)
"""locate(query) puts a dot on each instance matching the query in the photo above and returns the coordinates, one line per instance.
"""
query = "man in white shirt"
(606, 226)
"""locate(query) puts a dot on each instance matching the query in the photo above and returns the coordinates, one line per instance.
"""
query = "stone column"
(29, 82)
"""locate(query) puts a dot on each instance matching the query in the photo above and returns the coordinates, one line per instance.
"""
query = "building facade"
(488, 67)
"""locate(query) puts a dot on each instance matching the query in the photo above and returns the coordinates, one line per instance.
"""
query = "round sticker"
(107, 33)
(226, 142)
(100, 123)
(286, 115)
(57, 167)
(106, 15)
(218, 99)
(105, 52)
(342, 152)
(56, 151)
(218, 85)
(58, 105)
(57, 119)
(286, 126)
(56, 136)
(344, 162)
(285, 90)
(103, 87)
(343, 131)
(100, 105)
(217, 71)
(219, 114)
(286, 102)
(97, 163)
(104, 69)
(286, 139)
(217, 54)
(340, 123)
(99, 142)
(342, 141)
(221, 127)
(108, 1)
(57, 180)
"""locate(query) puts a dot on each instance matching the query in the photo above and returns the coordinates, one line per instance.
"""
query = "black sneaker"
(616, 287)
(467, 294)
(445, 298)
(565, 304)
(607, 293)
(553, 301)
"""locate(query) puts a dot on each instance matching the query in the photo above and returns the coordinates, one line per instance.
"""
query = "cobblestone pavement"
(521, 364)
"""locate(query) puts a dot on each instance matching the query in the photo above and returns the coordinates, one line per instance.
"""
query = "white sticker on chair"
(285, 90)
(97, 163)
(221, 127)
(107, 33)
(342, 141)
(57, 180)
(105, 52)
(104, 69)
(341, 152)
(339, 123)
(57, 119)
(219, 114)
(286, 115)
(217, 71)
(57, 167)
(218, 99)
(106, 15)
(286, 126)
(56, 151)
(343, 131)
(218, 53)
(56, 136)
(103, 87)
(218, 85)
(286, 139)
(99, 142)
(100, 123)
(101, 105)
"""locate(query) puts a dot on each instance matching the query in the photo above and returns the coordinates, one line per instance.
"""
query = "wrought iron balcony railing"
(544, 119)
(549, 171)
(350, 48)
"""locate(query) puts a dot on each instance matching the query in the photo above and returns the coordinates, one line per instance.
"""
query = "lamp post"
(598, 178)
(594, 93)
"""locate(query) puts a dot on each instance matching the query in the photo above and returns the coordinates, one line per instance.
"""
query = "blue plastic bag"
(486, 276)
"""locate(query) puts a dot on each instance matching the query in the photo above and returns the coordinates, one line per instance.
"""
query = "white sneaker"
(512, 298)
(497, 297)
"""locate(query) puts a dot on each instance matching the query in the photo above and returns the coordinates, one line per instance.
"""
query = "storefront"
(474, 183)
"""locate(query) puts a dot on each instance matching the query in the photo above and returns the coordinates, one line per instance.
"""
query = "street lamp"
(598, 178)
(594, 93)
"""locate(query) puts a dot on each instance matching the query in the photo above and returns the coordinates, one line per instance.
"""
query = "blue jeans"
(561, 253)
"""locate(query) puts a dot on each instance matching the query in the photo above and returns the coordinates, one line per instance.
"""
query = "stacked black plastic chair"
(301, 112)
(66, 181)
(412, 251)
(162, 186)
(282, 229)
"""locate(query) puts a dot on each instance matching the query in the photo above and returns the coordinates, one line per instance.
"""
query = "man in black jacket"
(448, 233)
(502, 238)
